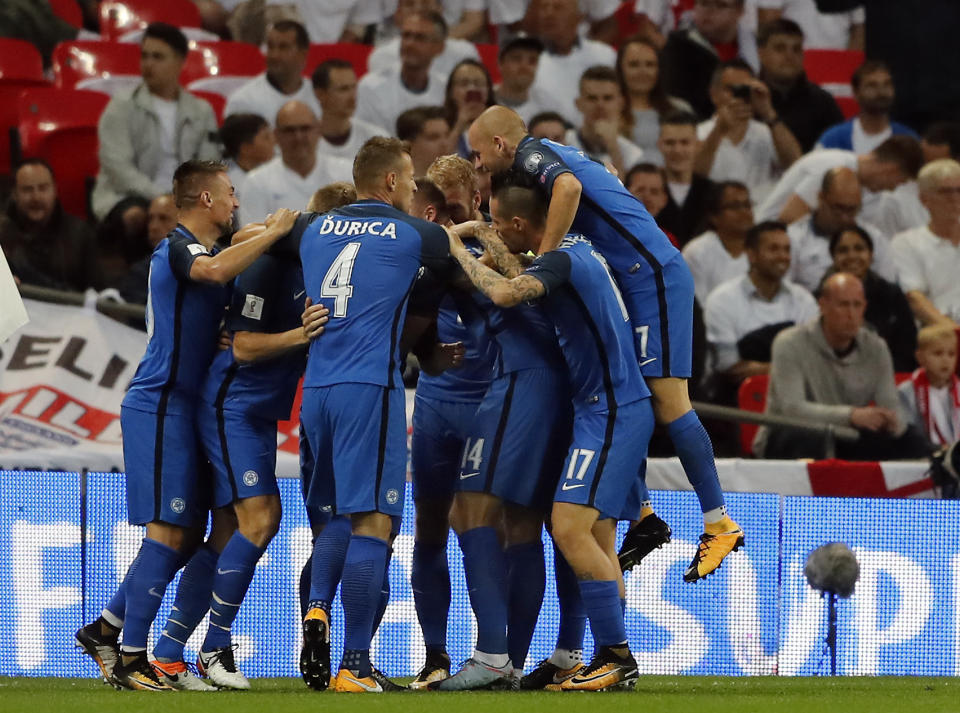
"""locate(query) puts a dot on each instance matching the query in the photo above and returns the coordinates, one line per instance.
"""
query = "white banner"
(12, 313)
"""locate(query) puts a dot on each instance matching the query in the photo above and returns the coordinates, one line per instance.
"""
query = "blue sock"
(304, 585)
(360, 593)
(484, 566)
(602, 602)
(693, 446)
(190, 605)
(623, 607)
(430, 580)
(115, 609)
(526, 580)
(235, 569)
(384, 594)
(329, 554)
(573, 617)
(146, 581)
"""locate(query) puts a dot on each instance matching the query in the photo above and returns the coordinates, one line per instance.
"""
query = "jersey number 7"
(336, 283)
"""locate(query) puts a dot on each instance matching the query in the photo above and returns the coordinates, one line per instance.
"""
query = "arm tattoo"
(507, 263)
(520, 289)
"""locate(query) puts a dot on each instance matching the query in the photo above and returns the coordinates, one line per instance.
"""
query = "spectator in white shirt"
(735, 146)
(567, 56)
(518, 62)
(248, 142)
(928, 257)
(755, 306)
(326, 21)
(838, 206)
(287, 46)
(893, 162)
(427, 131)
(720, 254)
(382, 96)
(601, 104)
(832, 31)
(290, 179)
(335, 86)
(548, 125)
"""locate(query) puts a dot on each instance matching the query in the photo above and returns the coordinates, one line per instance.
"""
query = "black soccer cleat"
(386, 684)
(103, 649)
(435, 668)
(642, 539)
(315, 654)
(548, 676)
(138, 675)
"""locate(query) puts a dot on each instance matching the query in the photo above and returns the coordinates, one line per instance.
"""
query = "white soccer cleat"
(220, 668)
(178, 676)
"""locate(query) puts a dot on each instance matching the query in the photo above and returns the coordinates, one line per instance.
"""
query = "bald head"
(839, 201)
(841, 179)
(294, 112)
(297, 135)
(842, 306)
(494, 136)
(841, 285)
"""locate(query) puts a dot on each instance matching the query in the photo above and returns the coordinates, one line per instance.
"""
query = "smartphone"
(741, 91)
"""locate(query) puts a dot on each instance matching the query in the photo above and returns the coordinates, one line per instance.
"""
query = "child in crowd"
(931, 397)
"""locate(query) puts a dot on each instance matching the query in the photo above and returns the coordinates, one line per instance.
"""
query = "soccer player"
(187, 296)
(361, 261)
(657, 289)
(613, 419)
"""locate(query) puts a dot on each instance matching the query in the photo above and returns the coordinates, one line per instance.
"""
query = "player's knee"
(522, 525)
(433, 525)
(174, 537)
(371, 524)
(671, 399)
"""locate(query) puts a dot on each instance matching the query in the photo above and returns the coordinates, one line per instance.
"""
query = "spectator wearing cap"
(803, 106)
(146, 132)
(287, 47)
(518, 61)
(873, 88)
(248, 141)
(341, 133)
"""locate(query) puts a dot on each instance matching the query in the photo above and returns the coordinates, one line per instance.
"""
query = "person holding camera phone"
(745, 140)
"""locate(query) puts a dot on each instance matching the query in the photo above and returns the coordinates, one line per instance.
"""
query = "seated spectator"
(248, 142)
(43, 245)
(601, 104)
(326, 22)
(648, 183)
(333, 195)
(145, 133)
(822, 30)
(735, 146)
(382, 96)
(645, 100)
(873, 89)
(928, 257)
(548, 125)
(469, 91)
(806, 109)
(744, 314)
(122, 238)
(888, 312)
(427, 131)
(567, 55)
(931, 397)
(833, 370)
(459, 183)
(838, 206)
(161, 220)
(686, 191)
(287, 47)
(290, 179)
(691, 55)
(341, 134)
(893, 162)
(720, 254)
(518, 61)
(451, 50)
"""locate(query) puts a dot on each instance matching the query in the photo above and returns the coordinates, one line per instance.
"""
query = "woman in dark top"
(888, 312)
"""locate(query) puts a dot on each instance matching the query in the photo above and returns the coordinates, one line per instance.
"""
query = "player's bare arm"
(500, 257)
(251, 347)
(314, 318)
(227, 264)
(502, 291)
(564, 203)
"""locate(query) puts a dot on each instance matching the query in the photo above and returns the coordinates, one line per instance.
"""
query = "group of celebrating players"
(541, 381)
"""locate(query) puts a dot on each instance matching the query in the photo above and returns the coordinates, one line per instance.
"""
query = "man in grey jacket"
(833, 370)
(149, 131)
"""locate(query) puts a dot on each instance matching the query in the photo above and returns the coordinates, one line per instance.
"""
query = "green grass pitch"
(654, 694)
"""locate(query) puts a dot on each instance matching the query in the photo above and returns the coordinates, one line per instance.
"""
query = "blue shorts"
(242, 451)
(317, 516)
(606, 455)
(168, 480)
(661, 314)
(519, 438)
(638, 494)
(440, 429)
(358, 437)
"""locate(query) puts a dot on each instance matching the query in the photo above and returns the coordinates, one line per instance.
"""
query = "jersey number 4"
(336, 283)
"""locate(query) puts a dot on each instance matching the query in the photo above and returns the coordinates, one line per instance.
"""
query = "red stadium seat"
(118, 17)
(488, 55)
(222, 59)
(84, 59)
(355, 54)
(20, 68)
(60, 125)
(831, 66)
(217, 101)
(752, 396)
(67, 10)
(848, 105)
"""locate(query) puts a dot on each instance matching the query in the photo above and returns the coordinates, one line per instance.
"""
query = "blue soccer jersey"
(361, 262)
(268, 297)
(592, 324)
(183, 320)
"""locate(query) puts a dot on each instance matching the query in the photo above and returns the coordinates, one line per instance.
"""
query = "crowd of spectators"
(783, 208)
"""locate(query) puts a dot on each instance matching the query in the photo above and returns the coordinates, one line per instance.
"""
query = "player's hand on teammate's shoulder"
(282, 221)
(455, 240)
(469, 229)
(314, 318)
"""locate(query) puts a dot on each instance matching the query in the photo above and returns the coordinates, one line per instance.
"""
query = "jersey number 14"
(336, 283)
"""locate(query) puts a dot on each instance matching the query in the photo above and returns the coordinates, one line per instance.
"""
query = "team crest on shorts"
(532, 162)
(392, 496)
(250, 478)
(178, 505)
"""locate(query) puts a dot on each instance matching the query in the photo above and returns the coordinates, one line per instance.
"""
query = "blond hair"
(332, 195)
(935, 333)
(451, 170)
(935, 172)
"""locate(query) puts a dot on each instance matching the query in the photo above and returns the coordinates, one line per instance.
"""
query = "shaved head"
(494, 137)
(841, 284)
